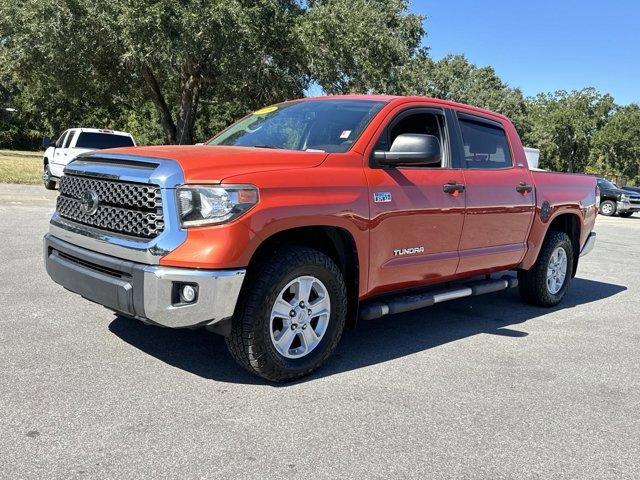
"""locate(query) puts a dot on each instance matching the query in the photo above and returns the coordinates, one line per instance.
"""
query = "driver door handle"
(453, 188)
(524, 188)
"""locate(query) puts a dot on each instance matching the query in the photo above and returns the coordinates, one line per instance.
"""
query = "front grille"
(635, 201)
(127, 208)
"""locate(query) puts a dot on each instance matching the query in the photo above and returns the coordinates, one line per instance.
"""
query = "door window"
(67, 142)
(61, 139)
(425, 123)
(485, 145)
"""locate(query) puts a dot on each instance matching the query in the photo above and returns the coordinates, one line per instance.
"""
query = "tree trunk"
(190, 95)
(156, 96)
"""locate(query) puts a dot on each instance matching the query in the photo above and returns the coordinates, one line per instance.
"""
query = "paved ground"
(482, 388)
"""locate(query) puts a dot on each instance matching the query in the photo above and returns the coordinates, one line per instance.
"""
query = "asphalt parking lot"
(477, 388)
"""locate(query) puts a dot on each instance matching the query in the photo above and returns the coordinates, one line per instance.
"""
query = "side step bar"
(414, 301)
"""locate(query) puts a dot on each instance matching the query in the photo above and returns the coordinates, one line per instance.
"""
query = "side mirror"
(411, 149)
(46, 142)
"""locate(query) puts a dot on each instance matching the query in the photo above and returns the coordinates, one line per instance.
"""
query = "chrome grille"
(127, 208)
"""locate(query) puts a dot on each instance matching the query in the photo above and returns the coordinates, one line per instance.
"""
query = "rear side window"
(102, 140)
(485, 145)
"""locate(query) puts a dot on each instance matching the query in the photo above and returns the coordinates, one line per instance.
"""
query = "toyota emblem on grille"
(89, 202)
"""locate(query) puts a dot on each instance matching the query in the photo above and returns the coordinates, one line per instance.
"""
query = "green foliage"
(455, 78)
(177, 71)
(563, 125)
(358, 45)
(616, 146)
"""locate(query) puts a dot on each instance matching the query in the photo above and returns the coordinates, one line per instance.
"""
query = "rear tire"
(257, 333)
(47, 178)
(625, 214)
(546, 283)
(608, 208)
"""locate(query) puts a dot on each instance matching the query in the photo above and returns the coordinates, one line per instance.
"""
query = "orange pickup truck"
(305, 216)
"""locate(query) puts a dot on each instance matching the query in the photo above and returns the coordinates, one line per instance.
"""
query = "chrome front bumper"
(146, 292)
(589, 244)
(627, 206)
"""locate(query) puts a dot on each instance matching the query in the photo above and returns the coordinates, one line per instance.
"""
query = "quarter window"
(485, 146)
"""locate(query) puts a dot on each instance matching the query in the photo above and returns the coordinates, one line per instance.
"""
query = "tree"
(616, 146)
(196, 59)
(563, 125)
(358, 46)
(455, 78)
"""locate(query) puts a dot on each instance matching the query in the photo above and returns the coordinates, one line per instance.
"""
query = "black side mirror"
(411, 149)
(46, 142)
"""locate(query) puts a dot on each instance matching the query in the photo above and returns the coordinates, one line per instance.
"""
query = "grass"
(20, 167)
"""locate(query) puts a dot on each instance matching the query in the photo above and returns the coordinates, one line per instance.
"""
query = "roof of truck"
(405, 99)
(107, 131)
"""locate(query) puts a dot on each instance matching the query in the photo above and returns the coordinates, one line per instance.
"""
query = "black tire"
(608, 208)
(625, 214)
(49, 183)
(250, 341)
(532, 284)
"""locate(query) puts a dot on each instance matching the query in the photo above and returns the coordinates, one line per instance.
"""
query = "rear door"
(500, 197)
(415, 225)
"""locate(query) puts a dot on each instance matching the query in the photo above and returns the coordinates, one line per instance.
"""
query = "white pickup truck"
(72, 143)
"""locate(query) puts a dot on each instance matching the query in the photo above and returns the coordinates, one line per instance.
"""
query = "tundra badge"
(381, 197)
(398, 252)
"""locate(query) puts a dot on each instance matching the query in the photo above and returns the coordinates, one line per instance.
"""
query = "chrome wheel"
(556, 270)
(607, 208)
(299, 317)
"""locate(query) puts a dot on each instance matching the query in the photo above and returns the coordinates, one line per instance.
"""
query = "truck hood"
(214, 163)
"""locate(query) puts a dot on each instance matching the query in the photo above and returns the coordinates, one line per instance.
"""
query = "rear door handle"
(524, 187)
(453, 188)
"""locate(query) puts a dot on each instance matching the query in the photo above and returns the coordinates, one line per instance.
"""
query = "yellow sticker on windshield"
(265, 110)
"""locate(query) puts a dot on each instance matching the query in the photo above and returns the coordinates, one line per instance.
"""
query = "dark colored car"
(623, 201)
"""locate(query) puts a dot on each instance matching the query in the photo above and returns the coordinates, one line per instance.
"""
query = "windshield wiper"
(265, 146)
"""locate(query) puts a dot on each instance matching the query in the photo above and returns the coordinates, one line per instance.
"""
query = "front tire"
(608, 208)
(47, 178)
(546, 283)
(291, 314)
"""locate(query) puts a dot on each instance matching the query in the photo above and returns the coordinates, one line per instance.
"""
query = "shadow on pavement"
(205, 354)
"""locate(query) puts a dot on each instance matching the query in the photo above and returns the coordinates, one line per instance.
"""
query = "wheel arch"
(335, 242)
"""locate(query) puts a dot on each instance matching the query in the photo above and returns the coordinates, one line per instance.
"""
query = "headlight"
(206, 205)
(624, 197)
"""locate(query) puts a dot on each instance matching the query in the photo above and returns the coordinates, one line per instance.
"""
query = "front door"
(415, 224)
(62, 151)
(500, 198)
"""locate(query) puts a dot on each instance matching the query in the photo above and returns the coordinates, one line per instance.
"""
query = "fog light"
(188, 293)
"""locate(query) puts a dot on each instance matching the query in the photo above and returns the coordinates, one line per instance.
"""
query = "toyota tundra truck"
(305, 216)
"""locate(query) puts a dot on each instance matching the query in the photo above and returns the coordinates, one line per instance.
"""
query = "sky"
(543, 46)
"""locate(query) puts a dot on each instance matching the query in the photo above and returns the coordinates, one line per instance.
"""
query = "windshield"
(320, 125)
(607, 184)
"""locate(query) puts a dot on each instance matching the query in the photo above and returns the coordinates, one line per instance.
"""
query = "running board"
(415, 301)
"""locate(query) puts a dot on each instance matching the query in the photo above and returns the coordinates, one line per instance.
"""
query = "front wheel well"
(569, 223)
(335, 242)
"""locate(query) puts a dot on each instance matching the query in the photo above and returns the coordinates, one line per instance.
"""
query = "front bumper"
(626, 206)
(147, 292)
